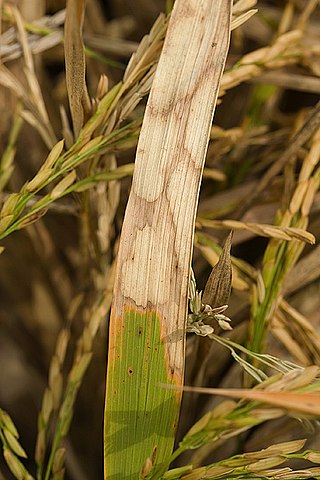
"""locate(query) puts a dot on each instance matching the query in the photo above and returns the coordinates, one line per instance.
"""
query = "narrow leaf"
(75, 63)
(147, 325)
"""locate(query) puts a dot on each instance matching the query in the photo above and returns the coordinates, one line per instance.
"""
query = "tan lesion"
(157, 234)
(147, 269)
(155, 281)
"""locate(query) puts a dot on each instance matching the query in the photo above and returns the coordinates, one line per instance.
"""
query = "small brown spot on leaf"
(154, 453)
(130, 371)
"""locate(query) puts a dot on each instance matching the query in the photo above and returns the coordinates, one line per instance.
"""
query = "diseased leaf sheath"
(79, 100)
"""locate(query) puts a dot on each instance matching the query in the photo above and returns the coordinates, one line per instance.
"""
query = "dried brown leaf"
(75, 64)
(218, 286)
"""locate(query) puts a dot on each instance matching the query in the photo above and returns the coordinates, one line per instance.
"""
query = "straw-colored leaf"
(241, 19)
(299, 403)
(75, 64)
(147, 329)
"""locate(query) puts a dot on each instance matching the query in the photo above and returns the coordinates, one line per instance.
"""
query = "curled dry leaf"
(75, 64)
(218, 286)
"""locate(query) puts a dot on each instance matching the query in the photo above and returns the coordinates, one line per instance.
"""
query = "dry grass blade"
(8, 80)
(271, 231)
(35, 95)
(42, 34)
(31, 95)
(238, 21)
(218, 286)
(296, 403)
(29, 65)
(75, 64)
